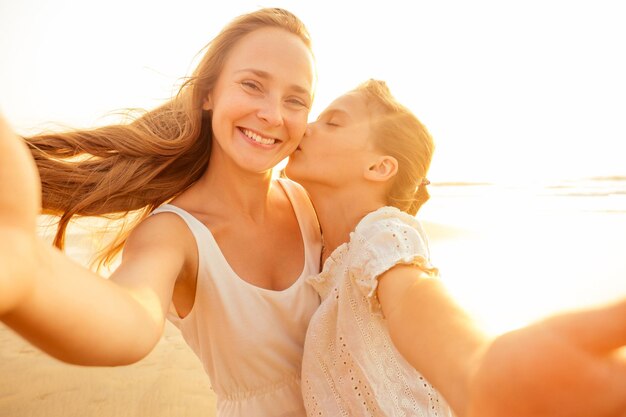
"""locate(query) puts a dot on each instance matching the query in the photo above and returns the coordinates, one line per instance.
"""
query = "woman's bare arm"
(78, 317)
(62, 307)
(19, 206)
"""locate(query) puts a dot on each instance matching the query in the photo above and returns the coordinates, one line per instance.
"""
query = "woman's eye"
(298, 102)
(251, 85)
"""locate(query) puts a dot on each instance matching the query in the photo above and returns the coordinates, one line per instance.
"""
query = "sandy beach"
(168, 382)
(506, 266)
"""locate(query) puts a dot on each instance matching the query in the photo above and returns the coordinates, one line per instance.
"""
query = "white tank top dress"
(250, 339)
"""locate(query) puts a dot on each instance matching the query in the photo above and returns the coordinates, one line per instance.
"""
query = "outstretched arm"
(564, 366)
(62, 307)
(431, 331)
(19, 206)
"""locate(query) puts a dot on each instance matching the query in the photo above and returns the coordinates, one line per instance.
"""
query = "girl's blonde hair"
(397, 132)
(134, 167)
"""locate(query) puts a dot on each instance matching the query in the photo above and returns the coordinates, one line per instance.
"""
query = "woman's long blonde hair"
(132, 168)
(399, 133)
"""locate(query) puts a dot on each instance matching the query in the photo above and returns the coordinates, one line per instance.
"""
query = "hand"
(20, 202)
(567, 365)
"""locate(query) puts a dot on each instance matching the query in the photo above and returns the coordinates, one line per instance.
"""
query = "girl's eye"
(332, 122)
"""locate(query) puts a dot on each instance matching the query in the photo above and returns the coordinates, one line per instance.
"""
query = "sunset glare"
(512, 91)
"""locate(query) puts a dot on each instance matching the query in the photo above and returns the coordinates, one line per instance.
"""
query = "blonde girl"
(386, 339)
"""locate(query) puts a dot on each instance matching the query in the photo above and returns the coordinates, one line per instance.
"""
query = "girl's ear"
(208, 103)
(383, 168)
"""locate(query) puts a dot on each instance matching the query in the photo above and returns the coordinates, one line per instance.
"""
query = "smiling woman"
(203, 185)
(281, 101)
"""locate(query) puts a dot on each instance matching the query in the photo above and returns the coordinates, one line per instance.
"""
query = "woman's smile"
(257, 138)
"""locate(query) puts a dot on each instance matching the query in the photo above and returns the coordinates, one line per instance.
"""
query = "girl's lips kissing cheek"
(257, 138)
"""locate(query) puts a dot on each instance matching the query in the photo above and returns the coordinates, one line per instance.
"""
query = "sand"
(168, 382)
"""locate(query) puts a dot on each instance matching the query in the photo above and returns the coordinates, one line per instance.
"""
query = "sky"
(511, 91)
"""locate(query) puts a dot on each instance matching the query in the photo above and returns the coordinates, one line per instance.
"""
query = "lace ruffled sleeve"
(383, 239)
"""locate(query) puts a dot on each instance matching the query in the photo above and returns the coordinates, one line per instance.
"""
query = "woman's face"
(337, 146)
(261, 100)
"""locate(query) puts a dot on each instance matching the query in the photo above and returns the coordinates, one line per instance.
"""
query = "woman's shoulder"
(291, 187)
(163, 235)
(298, 199)
(166, 225)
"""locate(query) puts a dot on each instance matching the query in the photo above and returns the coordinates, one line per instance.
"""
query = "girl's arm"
(431, 331)
(62, 307)
(564, 366)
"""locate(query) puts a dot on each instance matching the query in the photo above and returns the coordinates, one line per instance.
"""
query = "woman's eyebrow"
(267, 76)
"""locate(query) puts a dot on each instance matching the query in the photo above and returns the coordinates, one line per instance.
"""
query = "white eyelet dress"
(250, 339)
(350, 365)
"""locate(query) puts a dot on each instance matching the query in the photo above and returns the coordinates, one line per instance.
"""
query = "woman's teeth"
(258, 138)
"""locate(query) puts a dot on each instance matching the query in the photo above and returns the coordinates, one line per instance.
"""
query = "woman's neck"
(228, 189)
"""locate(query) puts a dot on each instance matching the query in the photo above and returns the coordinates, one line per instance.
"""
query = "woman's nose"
(271, 112)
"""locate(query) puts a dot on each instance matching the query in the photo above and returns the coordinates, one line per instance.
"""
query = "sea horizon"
(523, 251)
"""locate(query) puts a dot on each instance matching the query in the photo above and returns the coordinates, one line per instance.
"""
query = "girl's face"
(337, 147)
(261, 100)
